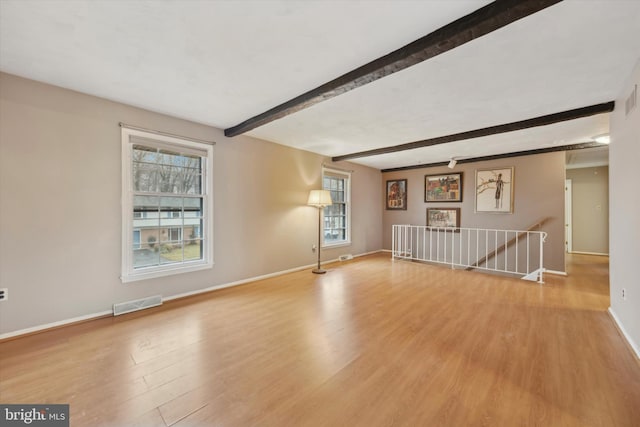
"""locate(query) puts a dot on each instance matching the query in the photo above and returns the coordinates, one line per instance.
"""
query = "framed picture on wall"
(397, 194)
(443, 217)
(443, 188)
(494, 190)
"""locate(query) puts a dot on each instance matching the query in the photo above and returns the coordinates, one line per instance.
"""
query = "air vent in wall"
(135, 305)
(632, 100)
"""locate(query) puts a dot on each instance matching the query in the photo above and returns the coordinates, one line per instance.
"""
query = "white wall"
(624, 202)
(60, 223)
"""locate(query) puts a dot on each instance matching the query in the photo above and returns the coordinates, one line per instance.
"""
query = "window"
(167, 205)
(337, 218)
(136, 239)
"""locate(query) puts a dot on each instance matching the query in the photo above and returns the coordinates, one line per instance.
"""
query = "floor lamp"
(319, 199)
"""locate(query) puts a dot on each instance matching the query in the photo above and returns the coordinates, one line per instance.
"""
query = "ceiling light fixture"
(602, 139)
(452, 163)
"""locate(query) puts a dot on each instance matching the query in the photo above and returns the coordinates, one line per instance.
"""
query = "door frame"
(568, 226)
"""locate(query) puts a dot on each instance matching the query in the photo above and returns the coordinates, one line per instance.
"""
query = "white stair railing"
(519, 252)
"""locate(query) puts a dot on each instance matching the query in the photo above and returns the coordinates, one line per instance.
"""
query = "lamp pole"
(319, 199)
(319, 270)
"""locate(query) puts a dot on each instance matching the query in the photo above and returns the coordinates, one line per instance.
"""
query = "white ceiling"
(222, 62)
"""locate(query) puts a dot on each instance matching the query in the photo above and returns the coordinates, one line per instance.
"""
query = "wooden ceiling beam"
(549, 119)
(477, 24)
(580, 146)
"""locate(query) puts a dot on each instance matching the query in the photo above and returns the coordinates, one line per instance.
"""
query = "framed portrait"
(397, 194)
(443, 188)
(443, 217)
(494, 190)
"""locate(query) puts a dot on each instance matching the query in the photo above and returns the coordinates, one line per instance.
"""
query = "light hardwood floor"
(371, 343)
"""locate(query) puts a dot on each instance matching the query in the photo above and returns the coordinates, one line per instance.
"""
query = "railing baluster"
(477, 245)
(528, 253)
(460, 257)
(517, 244)
(469, 247)
(453, 246)
(495, 251)
(486, 248)
(506, 249)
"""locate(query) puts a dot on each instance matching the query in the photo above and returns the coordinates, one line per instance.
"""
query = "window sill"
(163, 272)
(335, 245)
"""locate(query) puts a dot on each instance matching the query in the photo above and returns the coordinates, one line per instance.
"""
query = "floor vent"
(346, 257)
(139, 304)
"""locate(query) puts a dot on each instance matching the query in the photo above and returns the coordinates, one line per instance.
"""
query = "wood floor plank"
(373, 342)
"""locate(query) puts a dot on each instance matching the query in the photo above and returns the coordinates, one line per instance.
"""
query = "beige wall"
(60, 220)
(590, 209)
(539, 193)
(624, 203)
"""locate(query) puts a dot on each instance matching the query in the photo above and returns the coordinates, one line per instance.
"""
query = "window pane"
(169, 158)
(147, 253)
(190, 181)
(144, 177)
(192, 207)
(171, 207)
(145, 212)
(145, 154)
(168, 179)
(171, 252)
(192, 250)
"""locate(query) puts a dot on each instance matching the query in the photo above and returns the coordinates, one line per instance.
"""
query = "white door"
(567, 216)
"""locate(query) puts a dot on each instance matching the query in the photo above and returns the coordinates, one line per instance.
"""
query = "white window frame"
(131, 274)
(347, 176)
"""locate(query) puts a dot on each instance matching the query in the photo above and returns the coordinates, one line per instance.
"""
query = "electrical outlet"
(4, 294)
(624, 294)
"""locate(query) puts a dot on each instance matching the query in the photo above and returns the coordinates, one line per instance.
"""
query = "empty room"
(319, 213)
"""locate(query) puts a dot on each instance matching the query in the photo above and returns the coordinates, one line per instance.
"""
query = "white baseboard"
(41, 328)
(632, 344)
(370, 253)
(54, 324)
(557, 273)
(588, 253)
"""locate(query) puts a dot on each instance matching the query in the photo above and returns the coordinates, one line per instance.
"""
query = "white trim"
(170, 135)
(54, 324)
(164, 270)
(367, 253)
(347, 203)
(617, 322)
(239, 282)
(128, 272)
(568, 214)
(555, 272)
(182, 295)
(335, 245)
(588, 253)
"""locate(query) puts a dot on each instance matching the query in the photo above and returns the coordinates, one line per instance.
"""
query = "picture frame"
(443, 217)
(396, 198)
(443, 187)
(494, 190)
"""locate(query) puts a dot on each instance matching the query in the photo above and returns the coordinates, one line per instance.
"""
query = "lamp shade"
(319, 198)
